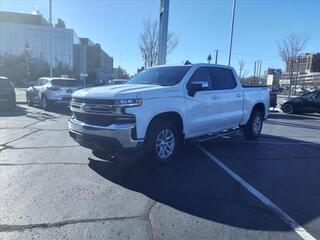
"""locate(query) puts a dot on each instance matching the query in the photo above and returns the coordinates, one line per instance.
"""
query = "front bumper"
(113, 138)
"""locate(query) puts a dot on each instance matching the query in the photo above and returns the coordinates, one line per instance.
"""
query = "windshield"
(163, 76)
(65, 83)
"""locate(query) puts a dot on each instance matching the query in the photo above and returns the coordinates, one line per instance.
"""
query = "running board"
(216, 135)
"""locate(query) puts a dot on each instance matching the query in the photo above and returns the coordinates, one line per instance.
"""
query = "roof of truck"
(195, 64)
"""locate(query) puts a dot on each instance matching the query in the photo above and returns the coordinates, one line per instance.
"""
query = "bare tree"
(289, 49)
(243, 73)
(149, 40)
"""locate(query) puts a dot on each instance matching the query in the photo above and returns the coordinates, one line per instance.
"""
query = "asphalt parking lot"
(51, 188)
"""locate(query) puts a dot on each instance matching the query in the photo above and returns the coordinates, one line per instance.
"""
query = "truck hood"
(117, 91)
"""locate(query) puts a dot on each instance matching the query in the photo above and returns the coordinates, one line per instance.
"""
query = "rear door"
(203, 108)
(307, 102)
(229, 94)
(316, 100)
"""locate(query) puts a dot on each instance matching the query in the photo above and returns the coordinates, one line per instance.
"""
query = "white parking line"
(272, 142)
(284, 216)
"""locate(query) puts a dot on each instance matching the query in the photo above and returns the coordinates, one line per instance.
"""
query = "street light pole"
(163, 31)
(216, 62)
(232, 26)
(51, 36)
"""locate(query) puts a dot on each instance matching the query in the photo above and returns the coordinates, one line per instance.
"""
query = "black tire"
(288, 108)
(153, 143)
(45, 103)
(252, 130)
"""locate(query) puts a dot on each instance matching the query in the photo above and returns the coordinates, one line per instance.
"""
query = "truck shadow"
(195, 185)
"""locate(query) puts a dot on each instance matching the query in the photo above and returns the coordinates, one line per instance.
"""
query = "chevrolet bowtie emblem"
(84, 107)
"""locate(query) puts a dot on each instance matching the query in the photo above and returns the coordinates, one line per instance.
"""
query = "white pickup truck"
(161, 107)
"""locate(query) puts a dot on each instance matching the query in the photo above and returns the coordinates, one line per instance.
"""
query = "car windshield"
(163, 76)
(65, 82)
(308, 95)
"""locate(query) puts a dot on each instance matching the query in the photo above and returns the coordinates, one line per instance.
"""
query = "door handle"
(214, 97)
(239, 95)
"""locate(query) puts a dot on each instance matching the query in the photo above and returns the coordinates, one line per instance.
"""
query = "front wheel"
(45, 103)
(254, 126)
(29, 101)
(162, 142)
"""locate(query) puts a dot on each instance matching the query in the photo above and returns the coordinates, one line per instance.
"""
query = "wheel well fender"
(260, 107)
(168, 116)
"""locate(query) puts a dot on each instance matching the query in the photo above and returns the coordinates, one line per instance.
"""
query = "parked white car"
(50, 91)
(117, 81)
(161, 107)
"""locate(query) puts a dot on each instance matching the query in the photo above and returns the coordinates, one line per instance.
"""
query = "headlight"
(136, 102)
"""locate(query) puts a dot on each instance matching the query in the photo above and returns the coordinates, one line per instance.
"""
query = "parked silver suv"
(50, 91)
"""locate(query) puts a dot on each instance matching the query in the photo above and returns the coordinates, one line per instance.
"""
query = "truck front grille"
(103, 120)
(100, 120)
(93, 101)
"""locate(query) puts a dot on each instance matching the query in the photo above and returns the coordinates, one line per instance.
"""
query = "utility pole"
(255, 67)
(232, 26)
(297, 74)
(163, 31)
(51, 36)
(260, 63)
(216, 62)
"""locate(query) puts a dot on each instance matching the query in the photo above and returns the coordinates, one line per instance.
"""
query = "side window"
(202, 74)
(223, 79)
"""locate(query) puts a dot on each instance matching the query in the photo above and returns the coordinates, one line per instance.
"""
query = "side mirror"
(196, 87)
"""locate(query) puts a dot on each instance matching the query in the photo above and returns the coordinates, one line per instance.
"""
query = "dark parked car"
(307, 103)
(7, 94)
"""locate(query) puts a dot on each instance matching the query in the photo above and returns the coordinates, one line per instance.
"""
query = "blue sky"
(202, 26)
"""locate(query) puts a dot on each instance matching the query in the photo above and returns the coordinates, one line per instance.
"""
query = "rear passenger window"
(202, 74)
(223, 78)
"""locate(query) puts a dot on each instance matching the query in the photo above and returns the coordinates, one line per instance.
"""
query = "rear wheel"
(288, 108)
(162, 141)
(254, 126)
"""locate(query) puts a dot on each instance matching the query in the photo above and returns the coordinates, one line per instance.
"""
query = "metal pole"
(232, 26)
(163, 31)
(216, 56)
(297, 75)
(260, 63)
(51, 36)
(50, 11)
(255, 67)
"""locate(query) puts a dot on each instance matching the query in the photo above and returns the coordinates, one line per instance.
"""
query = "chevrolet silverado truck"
(160, 108)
